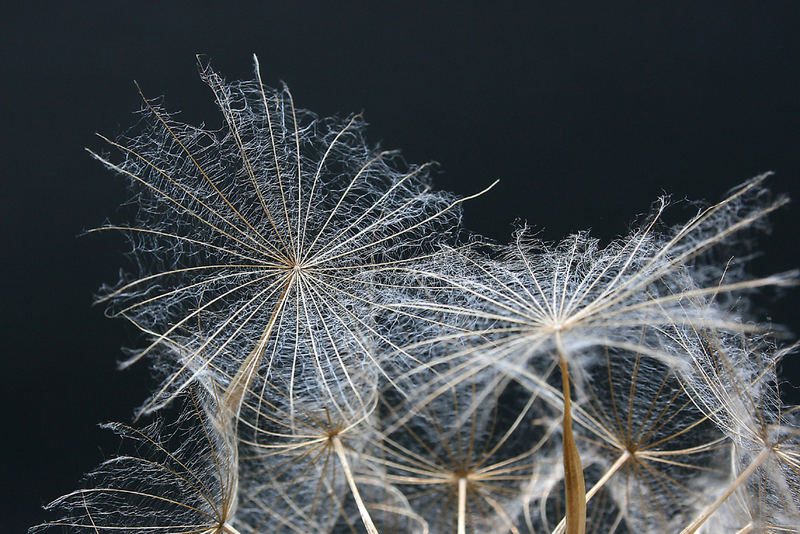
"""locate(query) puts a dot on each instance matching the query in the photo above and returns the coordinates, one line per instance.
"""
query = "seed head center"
(461, 473)
(295, 268)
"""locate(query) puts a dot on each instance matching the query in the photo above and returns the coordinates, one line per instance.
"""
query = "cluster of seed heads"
(336, 354)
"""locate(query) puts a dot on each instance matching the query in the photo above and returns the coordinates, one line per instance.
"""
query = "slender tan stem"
(710, 509)
(462, 505)
(574, 485)
(624, 457)
(749, 527)
(362, 509)
(235, 393)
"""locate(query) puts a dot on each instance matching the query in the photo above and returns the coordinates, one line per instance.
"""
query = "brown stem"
(575, 487)
(622, 460)
(234, 394)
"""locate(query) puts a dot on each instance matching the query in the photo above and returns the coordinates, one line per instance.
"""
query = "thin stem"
(362, 509)
(229, 529)
(574, 485)
(235, 393)
(462, 505)
(622, 460)
(703, 517)
(614, 468)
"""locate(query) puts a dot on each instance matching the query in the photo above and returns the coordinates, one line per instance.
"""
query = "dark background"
(586, 113)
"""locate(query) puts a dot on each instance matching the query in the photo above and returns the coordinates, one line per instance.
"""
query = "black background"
(586, 112)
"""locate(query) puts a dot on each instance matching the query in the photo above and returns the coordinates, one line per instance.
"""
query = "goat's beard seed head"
(257, 244)
(352, 364)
